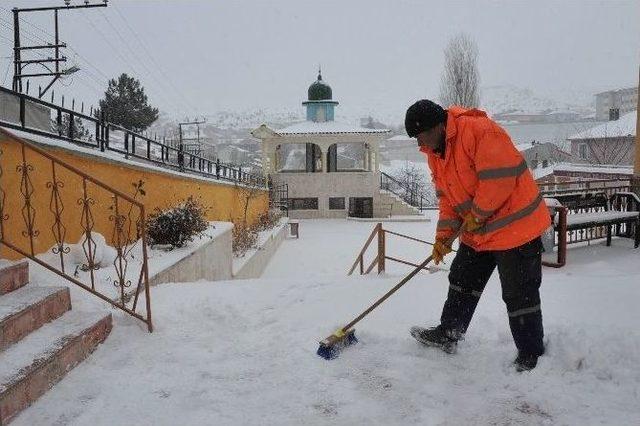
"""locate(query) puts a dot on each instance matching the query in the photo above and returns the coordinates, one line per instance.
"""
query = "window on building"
(336, 203)
(303, 204)
(614, 114)
(346, 157)
(297, 157)
(582, 151)
(361, 206)
(545, 163)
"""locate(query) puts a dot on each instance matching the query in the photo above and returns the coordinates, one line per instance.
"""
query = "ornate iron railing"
(98, 133)
(410, 194)
(39, 203)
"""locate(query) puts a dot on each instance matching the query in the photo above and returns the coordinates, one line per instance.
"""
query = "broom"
(331, 346)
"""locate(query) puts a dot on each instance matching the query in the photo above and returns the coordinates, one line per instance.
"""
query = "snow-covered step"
(29, 308)
(32, 366)
(389, 201)
(13, 277)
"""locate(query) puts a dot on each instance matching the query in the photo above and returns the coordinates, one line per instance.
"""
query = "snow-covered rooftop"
(583, 168)
(401, 138)
(524, 146)
(595, 168)
(325, 127)
(624, 126)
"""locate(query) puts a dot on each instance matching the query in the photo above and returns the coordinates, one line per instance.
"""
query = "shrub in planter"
(245, 238)
(178, 225)
(268, 220)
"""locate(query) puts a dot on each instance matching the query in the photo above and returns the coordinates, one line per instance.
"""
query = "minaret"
(319, 105)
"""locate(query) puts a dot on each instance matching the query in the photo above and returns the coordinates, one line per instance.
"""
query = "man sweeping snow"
(483, 184)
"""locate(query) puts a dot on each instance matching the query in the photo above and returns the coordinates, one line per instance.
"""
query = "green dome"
(319, 90)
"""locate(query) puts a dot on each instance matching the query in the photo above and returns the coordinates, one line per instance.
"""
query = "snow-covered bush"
(178, 225)
(103, 254)
(245, 238)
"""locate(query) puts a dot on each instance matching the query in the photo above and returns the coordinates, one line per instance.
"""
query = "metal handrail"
(129, 228)
(381, 256)
(412, 196)
(184, 161)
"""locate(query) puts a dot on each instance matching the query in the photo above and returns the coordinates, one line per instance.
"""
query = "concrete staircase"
(41, 339)
(387, 202)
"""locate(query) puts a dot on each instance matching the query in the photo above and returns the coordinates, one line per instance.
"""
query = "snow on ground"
(243, 352)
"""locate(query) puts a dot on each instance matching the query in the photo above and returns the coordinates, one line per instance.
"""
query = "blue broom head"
(331, 351)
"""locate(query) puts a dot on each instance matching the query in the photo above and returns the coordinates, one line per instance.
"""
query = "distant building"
(548, 116)
(542, 154)
(609, 143)
(331, 168)
(616, 102)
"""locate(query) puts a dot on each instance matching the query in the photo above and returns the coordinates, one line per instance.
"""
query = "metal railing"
(279, 195)
(40, 180)
(381, 255)
(410, 194)
(606, 186)
(582, 198)
(98, 133)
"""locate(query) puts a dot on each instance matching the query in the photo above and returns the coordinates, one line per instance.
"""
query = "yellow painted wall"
(162, 190)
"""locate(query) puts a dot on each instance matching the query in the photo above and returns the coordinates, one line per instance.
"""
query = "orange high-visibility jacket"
(484, 173)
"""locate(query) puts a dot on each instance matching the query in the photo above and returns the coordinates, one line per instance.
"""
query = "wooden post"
(381, 248)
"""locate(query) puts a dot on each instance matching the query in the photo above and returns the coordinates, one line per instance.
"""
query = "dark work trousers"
(520, 272)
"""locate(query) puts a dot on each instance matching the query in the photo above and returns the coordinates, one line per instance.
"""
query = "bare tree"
(460, 84)
(607, 145)
(611, 150)
(413, 185)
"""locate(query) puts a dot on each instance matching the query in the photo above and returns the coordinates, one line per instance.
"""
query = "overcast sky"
(207, 56)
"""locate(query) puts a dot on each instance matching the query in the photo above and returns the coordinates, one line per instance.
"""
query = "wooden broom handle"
(411, 274)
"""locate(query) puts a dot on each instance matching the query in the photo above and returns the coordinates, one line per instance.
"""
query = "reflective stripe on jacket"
(483, 173)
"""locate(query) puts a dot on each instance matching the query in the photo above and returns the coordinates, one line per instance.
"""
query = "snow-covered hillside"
(509, 98)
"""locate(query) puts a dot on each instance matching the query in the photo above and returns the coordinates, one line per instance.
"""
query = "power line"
(141, 42)
(133, 54)
(76, 53)
(117, 52)
(162, 79)
(28, 35)
(6, 73)
(29, 23)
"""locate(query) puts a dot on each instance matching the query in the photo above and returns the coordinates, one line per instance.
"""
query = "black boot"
(525, 362)
(437, 337)
(528, 333)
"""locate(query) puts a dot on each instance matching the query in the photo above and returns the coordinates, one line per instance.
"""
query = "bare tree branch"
(460, 80)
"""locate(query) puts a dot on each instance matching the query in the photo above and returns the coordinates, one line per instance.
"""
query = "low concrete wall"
(210, 262)
(257, 263)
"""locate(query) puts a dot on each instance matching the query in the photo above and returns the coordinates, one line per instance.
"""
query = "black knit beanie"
(423, 115)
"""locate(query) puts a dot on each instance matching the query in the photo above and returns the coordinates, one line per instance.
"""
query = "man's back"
(481, 171)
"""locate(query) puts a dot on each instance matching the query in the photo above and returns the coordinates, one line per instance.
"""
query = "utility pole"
(636, 163)
(53, 70)
(195, 145)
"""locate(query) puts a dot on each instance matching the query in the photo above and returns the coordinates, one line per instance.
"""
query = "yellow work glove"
(472, 223)
(440, 250)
